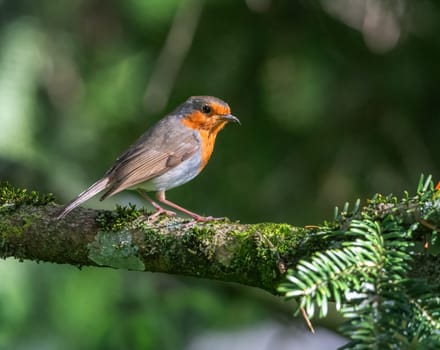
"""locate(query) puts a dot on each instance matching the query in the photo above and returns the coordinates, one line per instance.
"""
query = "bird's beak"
(231, 118)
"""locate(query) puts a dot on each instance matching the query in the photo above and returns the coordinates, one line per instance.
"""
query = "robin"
(172, 152)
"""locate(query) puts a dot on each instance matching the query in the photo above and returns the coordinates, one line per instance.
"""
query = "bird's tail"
(97, 187)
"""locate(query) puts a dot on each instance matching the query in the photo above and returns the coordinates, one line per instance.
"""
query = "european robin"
(172, 152)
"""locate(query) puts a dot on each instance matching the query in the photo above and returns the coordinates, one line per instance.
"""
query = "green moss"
(198, 241)
(118, 219)
(256, 248)
(11, 197)
(8, 228)
(11, 226)
(209, 242)
(115, 249)
(264, 252)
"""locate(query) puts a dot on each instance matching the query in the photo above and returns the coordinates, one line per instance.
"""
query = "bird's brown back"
(164, 146)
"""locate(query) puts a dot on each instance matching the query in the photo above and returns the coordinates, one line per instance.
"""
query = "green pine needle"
(368, 276)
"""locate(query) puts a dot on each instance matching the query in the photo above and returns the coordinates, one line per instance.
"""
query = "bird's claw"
(159, 211)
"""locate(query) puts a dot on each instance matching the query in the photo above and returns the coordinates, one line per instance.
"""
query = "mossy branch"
(251, 254)
(255, 255)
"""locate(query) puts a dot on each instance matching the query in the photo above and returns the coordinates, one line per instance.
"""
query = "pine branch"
(369, 275)
(251, 254)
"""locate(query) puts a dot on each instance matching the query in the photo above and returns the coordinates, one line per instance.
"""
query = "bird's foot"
(159, 211)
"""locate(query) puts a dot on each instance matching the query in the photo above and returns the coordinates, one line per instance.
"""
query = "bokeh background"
(338, 99)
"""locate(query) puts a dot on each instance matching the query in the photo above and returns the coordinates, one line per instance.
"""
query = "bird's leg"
(159, 209)
(160, 195)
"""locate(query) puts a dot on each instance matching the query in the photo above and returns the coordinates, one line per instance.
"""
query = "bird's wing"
(161, 148)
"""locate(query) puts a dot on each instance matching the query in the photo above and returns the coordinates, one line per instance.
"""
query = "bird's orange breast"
(208, 128)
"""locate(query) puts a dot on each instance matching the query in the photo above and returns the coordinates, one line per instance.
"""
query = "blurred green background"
(338, 99)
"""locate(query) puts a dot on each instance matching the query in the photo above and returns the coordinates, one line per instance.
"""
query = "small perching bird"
(169, 154)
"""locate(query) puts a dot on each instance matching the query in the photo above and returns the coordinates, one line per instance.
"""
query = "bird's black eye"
(206, 109)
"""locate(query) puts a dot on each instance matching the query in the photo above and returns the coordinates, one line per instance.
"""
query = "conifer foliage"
(367, 273)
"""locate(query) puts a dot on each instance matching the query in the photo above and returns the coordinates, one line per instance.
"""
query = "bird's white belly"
(179, 175)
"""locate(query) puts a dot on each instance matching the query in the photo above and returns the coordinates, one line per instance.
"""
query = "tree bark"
(255, 255)
(250, 254)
